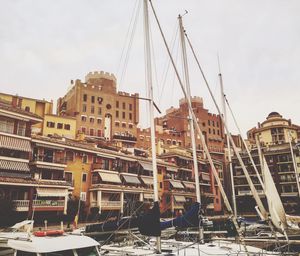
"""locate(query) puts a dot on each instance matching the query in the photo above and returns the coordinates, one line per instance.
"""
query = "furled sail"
(276, 208)
(189, 219)
(149, 223)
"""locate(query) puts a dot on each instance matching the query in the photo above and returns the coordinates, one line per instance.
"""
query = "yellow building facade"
(59, 125)
(36, 106)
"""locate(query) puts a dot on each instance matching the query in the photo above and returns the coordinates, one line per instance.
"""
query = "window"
(83, 108)
(84, 159)
(130, 116)
(51, 124)
(117, 114)
(83, 118)
(27, 109)
(93, 99)
(84, 177)
(100, 100)
(83, 130)
(130, 126)
(124, 125)
(92, 109)
(99, 133)
(208, 122)
(130, 106)
(68, 176)
(209, 131)
(59, 125)
(99, 111)
(91, 132)
(213, 123)
(84, 97)
(70, 156)
(124, 105)
(218, 132)
(92, 120)
(99, 120)
(214, 132)
(83, 196)
(67, 127)
(117, 104)
(123, 115)
(6, 125)
(117, 124)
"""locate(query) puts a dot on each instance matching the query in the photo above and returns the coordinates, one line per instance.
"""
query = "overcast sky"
(45, 44)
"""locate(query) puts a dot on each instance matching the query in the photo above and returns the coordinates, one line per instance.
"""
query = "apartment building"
(36, 106)
(173, 129)
(100, 110)
(28, 189)
(274, 134)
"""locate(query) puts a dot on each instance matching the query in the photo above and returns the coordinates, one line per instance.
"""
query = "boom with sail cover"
(189, 219)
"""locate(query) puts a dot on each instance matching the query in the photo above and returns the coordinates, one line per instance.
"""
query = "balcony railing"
(124, 137)
(23, 205)
(107, 204)
(49, 159)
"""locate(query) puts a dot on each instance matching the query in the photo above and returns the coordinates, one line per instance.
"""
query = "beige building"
(274, 130)
(100, 110)
(36, 106)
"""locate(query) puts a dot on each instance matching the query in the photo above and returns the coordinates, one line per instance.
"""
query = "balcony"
(107, 205)
(46, 205)
(127, 138)
(50, 159)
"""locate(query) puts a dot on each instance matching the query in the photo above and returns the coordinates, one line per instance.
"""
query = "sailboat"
(172, 247)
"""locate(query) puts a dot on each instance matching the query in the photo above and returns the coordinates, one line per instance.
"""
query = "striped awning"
(176, 184)
(172, 169)
(189, 185)
(24, 175)
(15, 143)
(49, 167)
(180, 199)
(147, 180)
(146, 166)
(14, 166)
(110, 177)
(45, 192)
(205, 176)
(131, 179)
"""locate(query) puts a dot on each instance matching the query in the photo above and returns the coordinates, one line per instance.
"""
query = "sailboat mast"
(228, 147)
(191, 123)
(151, 105)
(188, 92)
(294, 163)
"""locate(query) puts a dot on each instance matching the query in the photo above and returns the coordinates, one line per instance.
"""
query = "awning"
(132, 179)
(205, 176)
(189, 185)
(210, 206)
(110, 177)
(149, 196)
(106, 156)
(15, 143)
(185, 169)
(43, 192)
(180, 199)
(24, 175)
(14, 166)
(49, 167)
(146, 166)
(147, 180)
(176, 184)
(127, 158)
(172, 169)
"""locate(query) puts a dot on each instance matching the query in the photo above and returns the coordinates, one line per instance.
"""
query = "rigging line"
(245, 144)
(108, 239)
(126, 37)
(168, 62)
(215, 173)
(130, 43)
(247, 176)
